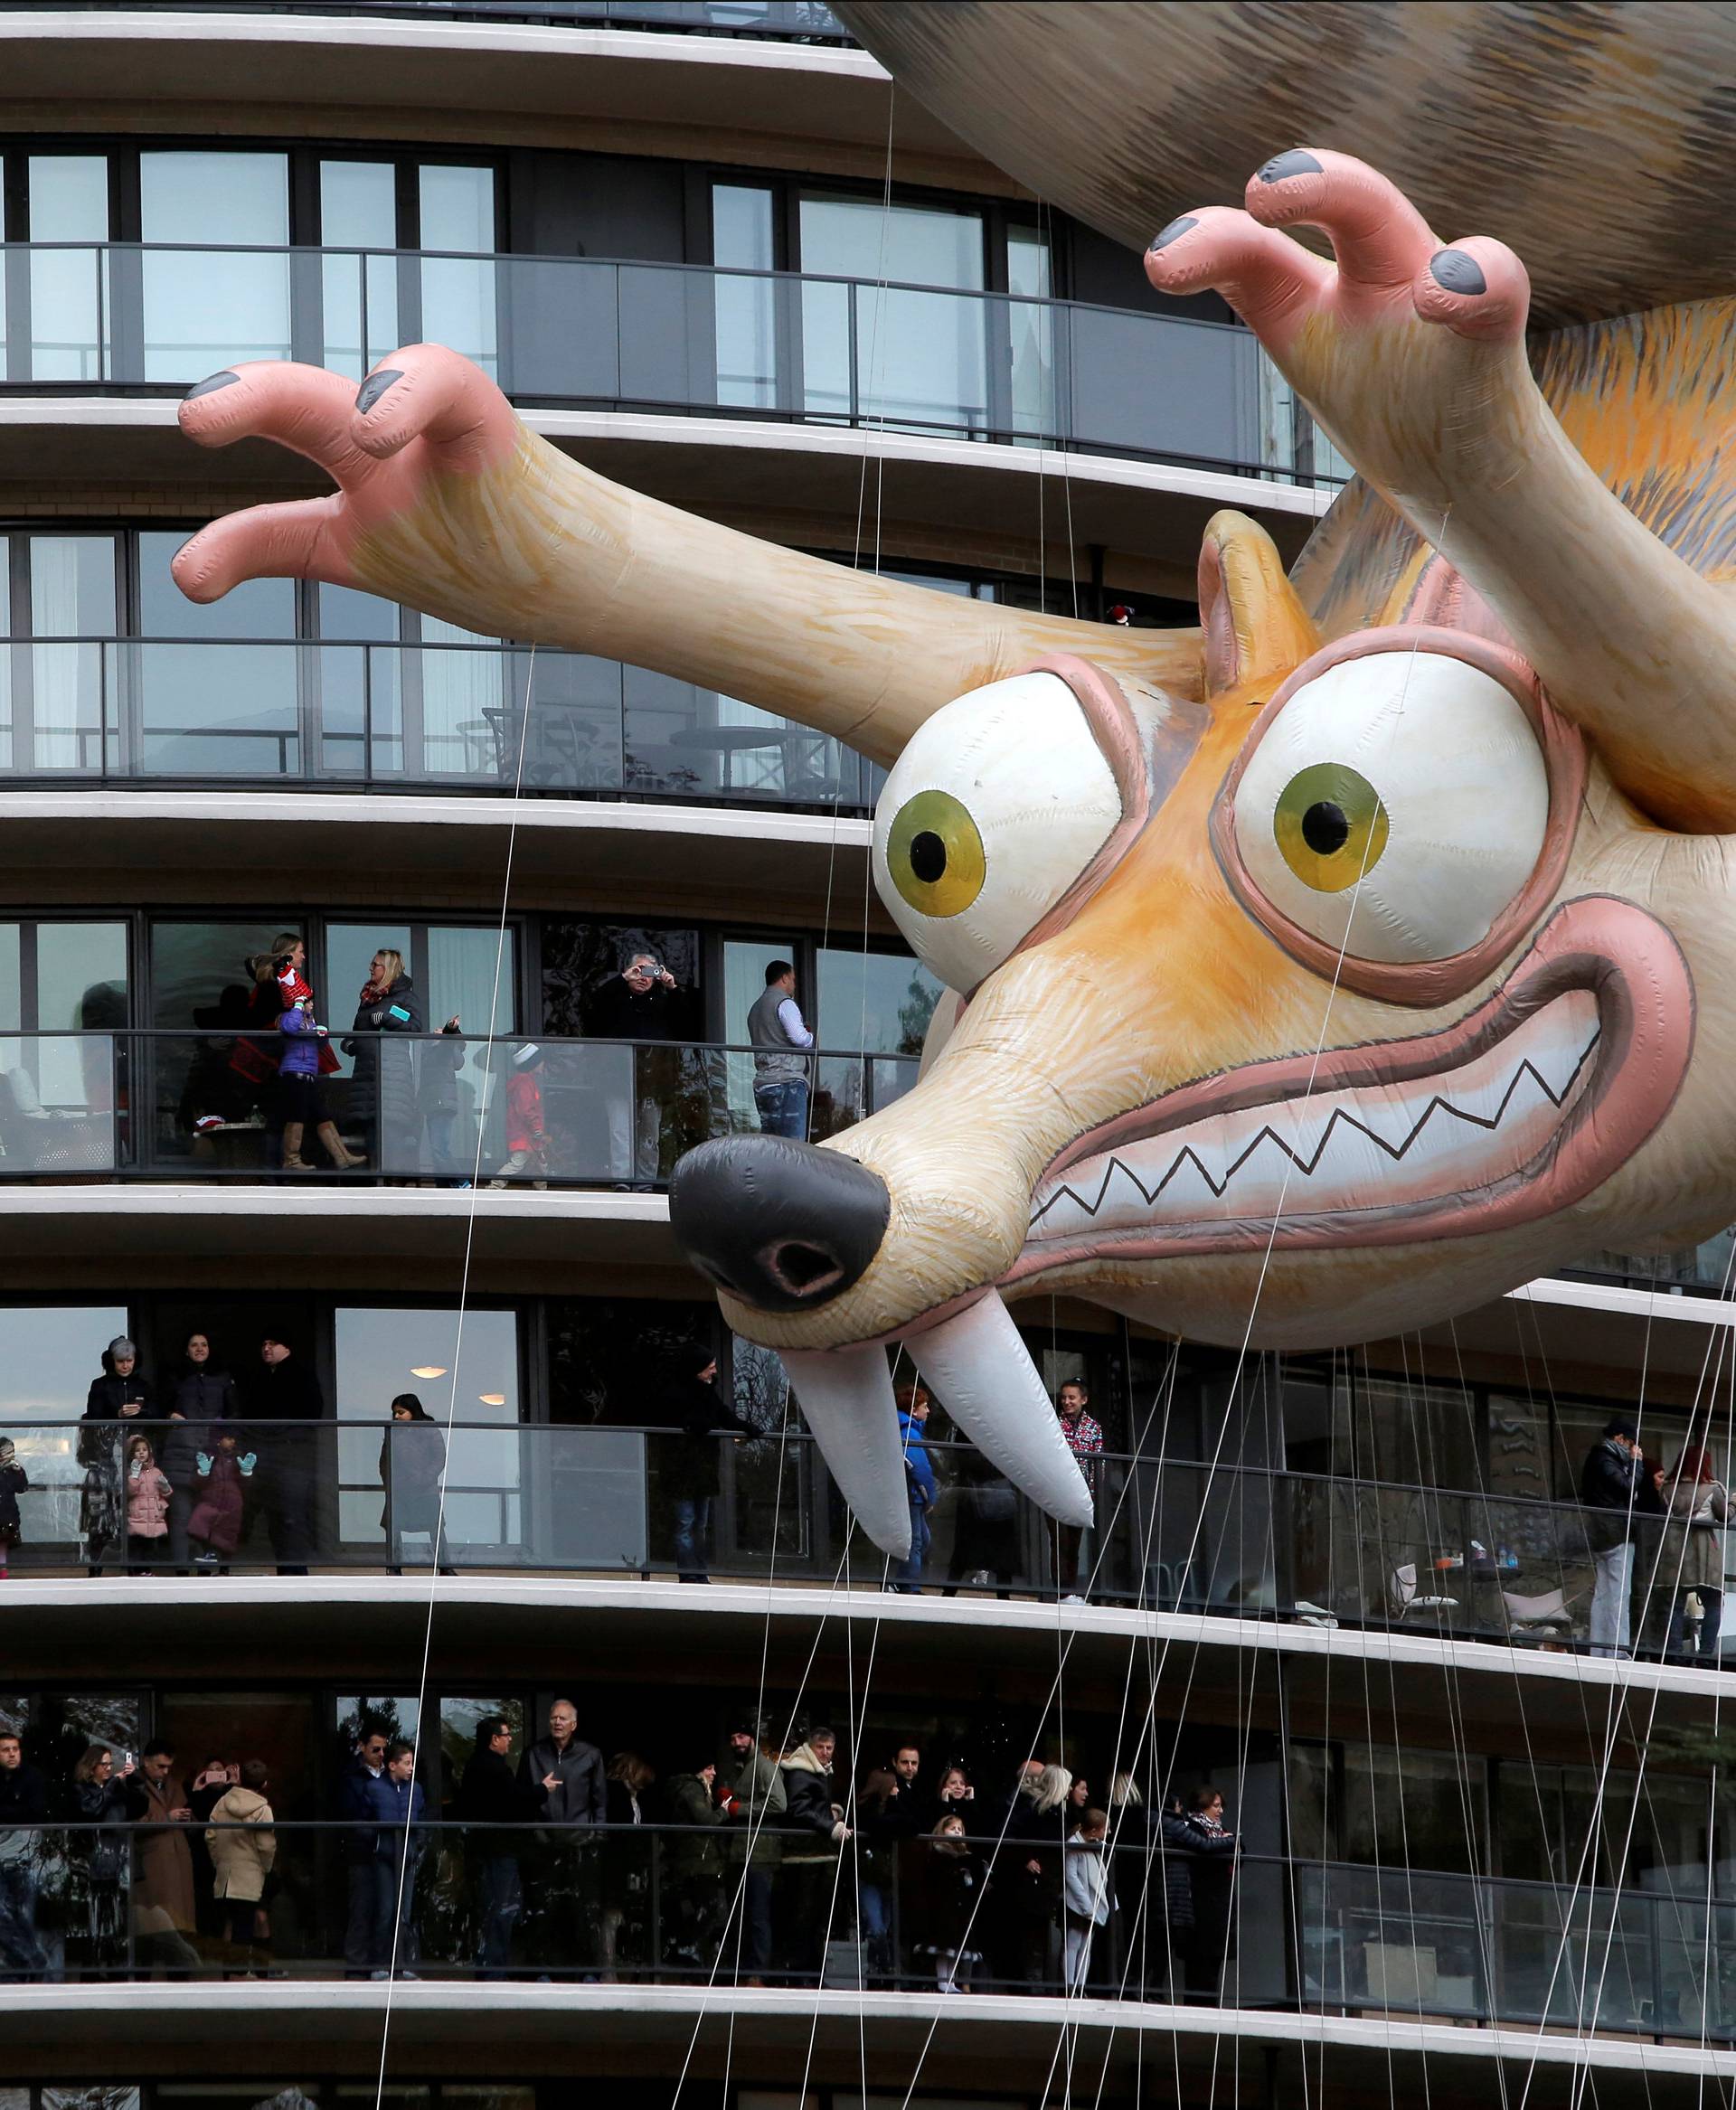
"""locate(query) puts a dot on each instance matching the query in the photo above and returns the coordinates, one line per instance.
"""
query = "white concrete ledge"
(338, 2013)
(1687, 1308)
(1105, 1632)
(597, 433)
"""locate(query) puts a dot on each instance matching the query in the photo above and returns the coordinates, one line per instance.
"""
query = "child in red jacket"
(526, 1138)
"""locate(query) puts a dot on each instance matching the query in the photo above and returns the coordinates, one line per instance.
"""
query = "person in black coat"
(23, 1807)
(1199, 1863)
(691, 1403)
(497, 1805)
(1620, 1489)
(412, 1458)
(645, 1002)
(202, 1396)
(120, 1395)
(383, 1091)
(283, 1396)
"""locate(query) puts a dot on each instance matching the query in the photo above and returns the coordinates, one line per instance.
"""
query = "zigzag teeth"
(1336, 1139)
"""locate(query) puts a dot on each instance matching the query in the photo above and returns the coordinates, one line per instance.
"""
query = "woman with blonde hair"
(383, 1091)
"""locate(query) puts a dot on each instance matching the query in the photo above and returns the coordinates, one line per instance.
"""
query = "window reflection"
(457, 212)
(48, 1355)
(747, 345)
(471, 1379)
(210, 307)
(69, 301)
(358, 210)
(223, 704)
(898, 356)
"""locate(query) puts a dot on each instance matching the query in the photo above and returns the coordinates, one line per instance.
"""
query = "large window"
(214, 278)
(49, 1355)
(463, 1369)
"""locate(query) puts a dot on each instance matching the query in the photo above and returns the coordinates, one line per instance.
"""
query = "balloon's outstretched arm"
(446, 501)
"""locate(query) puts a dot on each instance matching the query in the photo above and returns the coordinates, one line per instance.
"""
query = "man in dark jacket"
(1615, 1484)
(352, 1789)
(564, 1775)
(688, 1463)
(644, 1002)
(283, 1400)
(496, 1804)
(23, 1807)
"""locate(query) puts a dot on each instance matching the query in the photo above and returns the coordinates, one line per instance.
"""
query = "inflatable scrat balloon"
(1333, 968)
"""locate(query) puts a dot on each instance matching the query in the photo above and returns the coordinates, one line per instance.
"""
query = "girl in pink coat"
(147, 1506)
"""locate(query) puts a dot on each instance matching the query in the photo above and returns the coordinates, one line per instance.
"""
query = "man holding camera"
(641, 1003)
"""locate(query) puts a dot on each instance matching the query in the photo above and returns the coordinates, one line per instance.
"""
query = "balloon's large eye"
(1330, 826)
(934, 854)
(1394, 806)
(992, 813)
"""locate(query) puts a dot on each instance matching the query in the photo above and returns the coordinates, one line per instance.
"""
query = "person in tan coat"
(242, 1860)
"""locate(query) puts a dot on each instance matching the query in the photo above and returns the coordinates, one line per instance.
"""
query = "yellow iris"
(1330, 826)
(934, 854)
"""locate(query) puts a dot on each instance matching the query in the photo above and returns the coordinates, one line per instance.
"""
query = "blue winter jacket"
(916, 1457)
(391, 1804)
(302, 1036)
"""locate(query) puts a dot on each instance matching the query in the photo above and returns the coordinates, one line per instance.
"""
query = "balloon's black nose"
(779, 1224)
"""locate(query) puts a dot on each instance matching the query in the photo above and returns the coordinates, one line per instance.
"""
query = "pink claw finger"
(426, 391)
(301, 407)
(1477, 288)
(1271, 281)
(291, 540)
(1378, 236)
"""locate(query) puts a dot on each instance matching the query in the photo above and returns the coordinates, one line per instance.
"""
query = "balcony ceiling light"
(429, 1370)
(492, 1398)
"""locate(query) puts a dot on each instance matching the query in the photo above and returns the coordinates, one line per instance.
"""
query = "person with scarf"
(1692, 1570)
(383, 1090)
(1211, 1848)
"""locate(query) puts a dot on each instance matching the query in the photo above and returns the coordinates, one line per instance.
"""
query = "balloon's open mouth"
(1515, 1112)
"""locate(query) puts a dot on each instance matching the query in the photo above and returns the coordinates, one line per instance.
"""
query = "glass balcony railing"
(676, 339)
(1170, 1536)
(786, 21)
(668, 1903)
(440, 1109)
(385, 716)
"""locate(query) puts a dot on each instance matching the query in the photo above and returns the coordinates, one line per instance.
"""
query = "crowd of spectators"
(759, 1864)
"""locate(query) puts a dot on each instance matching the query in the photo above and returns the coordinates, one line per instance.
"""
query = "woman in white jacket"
(1086, 1902)
(242, 1847)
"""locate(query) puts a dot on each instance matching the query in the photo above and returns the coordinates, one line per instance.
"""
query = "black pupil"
(928, 856)
(1325, 828)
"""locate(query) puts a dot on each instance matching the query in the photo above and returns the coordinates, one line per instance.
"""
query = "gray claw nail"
(1455, 272)
(211, 383)
(1172, 232)
(1298, 161)
(375, 386)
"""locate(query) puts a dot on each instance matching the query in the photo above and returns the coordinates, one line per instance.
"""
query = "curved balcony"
(1300, 1936)
(199, 1106)
(787, 20)
(384, 716)
(798, 21)
(675, 340)
(1172, 1537)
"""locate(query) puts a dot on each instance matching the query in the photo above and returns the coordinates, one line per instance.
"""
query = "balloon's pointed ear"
(1256, 630)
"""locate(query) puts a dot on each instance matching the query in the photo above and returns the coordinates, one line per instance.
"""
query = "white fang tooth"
(988, 1384)
(845, 1395)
